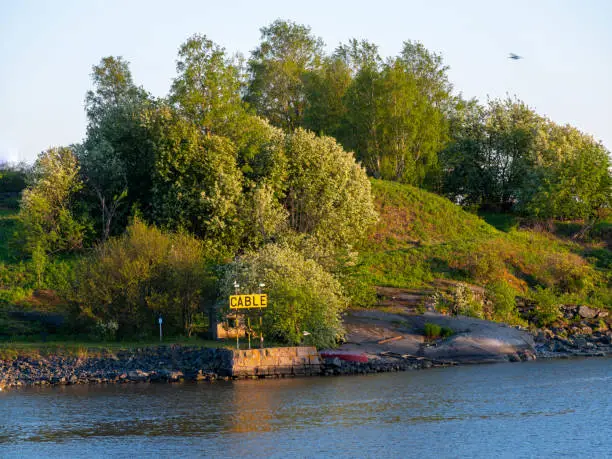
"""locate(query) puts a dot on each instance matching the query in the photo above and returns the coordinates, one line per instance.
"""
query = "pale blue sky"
(47, 49)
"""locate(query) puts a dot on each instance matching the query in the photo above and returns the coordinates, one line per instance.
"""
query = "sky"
(47, 50)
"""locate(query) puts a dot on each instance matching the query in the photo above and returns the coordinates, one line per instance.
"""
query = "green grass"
(421, 237)
(502, 222)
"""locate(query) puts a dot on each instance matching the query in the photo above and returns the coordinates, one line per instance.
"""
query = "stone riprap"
(158, 364)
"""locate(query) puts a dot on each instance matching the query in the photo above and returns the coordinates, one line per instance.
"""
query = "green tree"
(411, 128)
(277, 68)
(328, 194)
(302, 296)
(207, 88)
(358, 130)
(574, 178)
(117, 156)
(104, 174)
(325, 88)
(47, 206)
(490, 159)
(196, 184)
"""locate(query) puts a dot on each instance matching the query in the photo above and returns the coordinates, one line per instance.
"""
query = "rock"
(587, 313)
(137, 375)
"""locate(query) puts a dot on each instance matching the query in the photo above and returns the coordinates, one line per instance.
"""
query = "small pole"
(261, 338)
(236, 323)
(249, 330)
(260, 329)
(160, 320)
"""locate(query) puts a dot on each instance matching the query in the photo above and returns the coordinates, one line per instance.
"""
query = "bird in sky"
(516, 57)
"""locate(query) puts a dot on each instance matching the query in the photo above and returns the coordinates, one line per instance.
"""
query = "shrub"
(445, 332)
(432, 330)
(503, 298)
(547, 305)
(132, 279)
(302, 295)
(466, 303)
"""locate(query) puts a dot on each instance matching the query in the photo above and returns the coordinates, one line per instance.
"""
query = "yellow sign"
(259, 300)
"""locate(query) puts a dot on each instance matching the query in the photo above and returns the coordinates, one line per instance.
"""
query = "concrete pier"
(275, 361)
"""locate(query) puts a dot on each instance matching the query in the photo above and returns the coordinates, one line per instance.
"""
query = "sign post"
(252, 301)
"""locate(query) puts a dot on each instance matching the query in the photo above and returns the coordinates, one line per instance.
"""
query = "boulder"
(587, 313)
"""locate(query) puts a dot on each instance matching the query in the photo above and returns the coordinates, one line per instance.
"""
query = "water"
(536, 409)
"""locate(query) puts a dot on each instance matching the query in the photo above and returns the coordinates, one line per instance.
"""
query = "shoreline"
(177, 363)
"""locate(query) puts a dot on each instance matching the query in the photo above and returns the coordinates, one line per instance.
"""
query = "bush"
(547, 305)
(133, 279)
(432, 330)
(466, 303)
(503, 298)
(302, 296)
(445, 332)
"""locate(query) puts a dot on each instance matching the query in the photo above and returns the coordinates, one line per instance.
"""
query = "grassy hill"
(421, 241)
(422, 237)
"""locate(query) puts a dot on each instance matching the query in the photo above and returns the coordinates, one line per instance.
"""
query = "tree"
(395, 117)
(325, 89)
(260, 151)
(358, 129)
(490, 160)
(117, 156)
(328, 194)
(196, 184)
(207, 88)
(104, 174)
(302, 296)
(265, 218)
(47, 205)
(576, 186)
(277, 68)
(430, 73)
(411, 128)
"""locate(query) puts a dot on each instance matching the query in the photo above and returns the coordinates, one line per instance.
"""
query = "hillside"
(422, 240)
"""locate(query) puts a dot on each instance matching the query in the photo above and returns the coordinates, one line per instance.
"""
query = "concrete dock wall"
(275, 361)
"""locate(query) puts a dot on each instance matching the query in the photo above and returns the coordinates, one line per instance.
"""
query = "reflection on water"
(536, 408)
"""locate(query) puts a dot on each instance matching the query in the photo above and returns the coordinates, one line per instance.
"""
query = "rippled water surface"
(543, 408)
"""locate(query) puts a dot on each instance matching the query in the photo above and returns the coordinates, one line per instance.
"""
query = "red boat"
(347, 356)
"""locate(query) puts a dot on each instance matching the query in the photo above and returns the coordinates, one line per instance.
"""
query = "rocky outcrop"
(580, 331)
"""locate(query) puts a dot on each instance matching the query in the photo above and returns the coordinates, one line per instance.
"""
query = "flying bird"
(516, 57)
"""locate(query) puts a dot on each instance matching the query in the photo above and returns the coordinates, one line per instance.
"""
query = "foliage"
(116, 157)
(277, 69)
(47, 216)
(207, 88)
(433, 331)
(505, 156)
(326, 189)
(547, 305)
(133, 279)
(326, 87)
(302, 296)
(196, 184)
(503, 298)
(13, 178)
